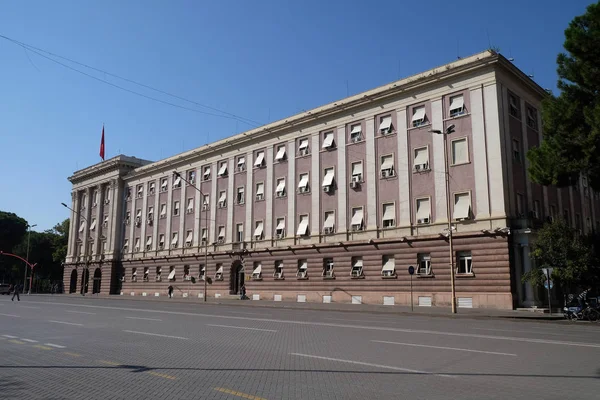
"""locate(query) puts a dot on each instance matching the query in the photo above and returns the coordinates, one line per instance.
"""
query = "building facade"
(334, 204)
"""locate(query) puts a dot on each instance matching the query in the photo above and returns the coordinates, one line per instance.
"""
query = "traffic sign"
(551, 284)
(411, 270)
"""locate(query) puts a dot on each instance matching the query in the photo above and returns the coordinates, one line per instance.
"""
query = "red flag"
(102, 144)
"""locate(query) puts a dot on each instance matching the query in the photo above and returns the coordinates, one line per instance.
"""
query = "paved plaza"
(68, 347)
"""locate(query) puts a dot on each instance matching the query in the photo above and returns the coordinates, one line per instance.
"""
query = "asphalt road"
(84, 348)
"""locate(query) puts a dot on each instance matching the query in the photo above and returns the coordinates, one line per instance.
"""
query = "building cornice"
(120, 164)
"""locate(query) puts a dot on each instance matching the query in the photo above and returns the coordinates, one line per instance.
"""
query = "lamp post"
(86, 272)
(27, 257)
(177, 174)
(449, 130)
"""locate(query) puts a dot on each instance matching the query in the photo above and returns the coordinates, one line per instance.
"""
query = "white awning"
(281, 225)
(223, 169)
(81, 226)
(140, 190)
(304, 265)
(161, 239)
(203, 233)
(302, 227)
(190, 205)
(462, 206)
(206, 172)
(421, 156)
(152, 185)
(357, 129)
(164, 184)
(172, 274)
(260, 189)
(175, 238)
(134, 273)
(418, 114)
(358, 262)
(281, 186)
(221, 232)
(259, 159)
(328, 179)
(163, 209)
(137, 242)
(389, 213)
(206, 199)
(149, 241)
(390, 264)
(457, 103)
(259, 229)
(189, 236)
(303, 144)
(388, 163)
(177, 181)
(220, 270)
(357, 218)
(385, 124)
(280, 153)
(329, 221)
(138, 214)
(257, 270)
(328, 140)
(357, 169)
(423, 209)
(241, 161)
(93, 225)
(223, 197)
(303, 181)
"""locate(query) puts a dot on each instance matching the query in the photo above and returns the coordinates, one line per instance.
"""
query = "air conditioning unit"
(280, 236)
(354, 184)
(280, 194)
(303, 189)
(303, 152)
(107, 201)
(205, 207)
(356, 178)
(187, 278)
(259, 197)
(386, 173)
(421, 221)
(328, 230)
(221, 240)
(188, 244)
(355, 139)
(356, 273)
(326, 189)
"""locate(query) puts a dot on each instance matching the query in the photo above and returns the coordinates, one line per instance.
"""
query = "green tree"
(571, 121)
(12, 231)
(573, 257)
(61, 239)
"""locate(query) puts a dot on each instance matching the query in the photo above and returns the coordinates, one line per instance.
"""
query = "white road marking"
(242, 327)
(29, 340)
(156, 334)
(446, 348)
(515, 330)
(372, 328)
(11, 315)
(66, 323)
(37, 308)
(81, 312)
(55, 345)
(10, 336)
(145, 319)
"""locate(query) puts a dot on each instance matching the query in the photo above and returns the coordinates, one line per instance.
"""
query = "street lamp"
(27, 257)
(449, 130)
(178, 175)
(87, 259)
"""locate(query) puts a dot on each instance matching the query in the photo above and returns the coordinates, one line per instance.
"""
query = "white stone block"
(277, 297)
(389, 300)
(326, 299)
(356, 299)
(301, 298)
(156, 294)
(144, 294)
(132, 293)
(185, 295)
(217, 295)
(256, 297)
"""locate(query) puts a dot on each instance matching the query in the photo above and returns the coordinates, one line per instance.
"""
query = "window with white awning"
(419, 116)
(223, 198)
(328, 140)
(387, 164)
(329, 175)
(163, 210)
(303, 226)
(457, 105)
(206, 173)
(221, 232)
(161, 239)
(356, 132)
(421, 157)
(357, 266)
(138, 213)
(177, 182)
(206, 199)
(280, 226)
(303, 144)
(260, 190)
(302, 268)
(164, 184)
(81, 226)
(423, 210)
(257, 271)
(357, 218)
(259, 230)
(280, 190)
(219, 273)
(241, 163)
(280, 153)
(93, 225)
(385, 124)
(140, 190)
(389, 266)
(260, 158)
(389, 215)
(357, 170)
(223, 169)
(303, 183)
(149, 241)
(190, 205)
(462, 206)
(329, 220)
(175, 239)
(137, 244)
(172, 274)
(189, 236)
(151, 187)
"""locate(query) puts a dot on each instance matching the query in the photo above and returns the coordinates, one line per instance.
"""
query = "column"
(529, 295)
(269, 193)
(404, 169)
(371, 171)
(212, 235)
(144, 218)
(315, 186)
(438, 162)
(156, 215)
(525, 140)
(198, 221)
(480, 163)
(249, 192)
(72, 229)
(231, 193)
(342, 180)
(290, 222)
(98, 238)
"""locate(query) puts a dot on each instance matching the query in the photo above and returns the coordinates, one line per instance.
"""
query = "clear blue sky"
(263, 60)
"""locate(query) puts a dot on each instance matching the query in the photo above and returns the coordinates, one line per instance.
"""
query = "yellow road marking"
(42, 347)
(72, 354)
(108, 362)
(15, 341)
(162, 375)
(239, 394)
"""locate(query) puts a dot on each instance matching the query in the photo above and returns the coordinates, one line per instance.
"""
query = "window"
(303, 184)
(357, 267)
(164, 185)
(388, 266)
(328, 142)
(158, 274)
(190, 205)
(107, 196)
(328, 267)
(219, 272)
(357, 219)
(460, 151)
(355, 133)
(516, 150)
(302, 271)
(259, 162)
(536, 209)
(222, 169)
(133, 274)
(329, 175)
(146, 274)
(258, 230)
(140, 191)
(303, 226)
(127, 219)
(163, 210)
(423, 211)
(127, 197)
(222, 199)
(260, 191)
(241, 163)
(82, 225)
(532, 118)
(189, 235)
(424, 264)
(457, 106)
(151, 188)
(240, 195)
(172, 273)
(221, 235)
(175, 240)
(191, 177)
(239, 233)
(95, 197)
(520, 206)
(81, 249)
(137, 243)
(175, 208)
(186, 273)
(105, 221)
(91, 248)
(148, 243)
(161, 241)
(177, 182)
(138, 217)
(389, 215)
(206, 173)
(93, 224)
(387, 166)
(419, 118)
(257, 270)
(125, 246)
(464, 262)
(280, 228)
(206, 202)
(280, 156)
(329, 224)
(421, 162)
(280, 189)
(278, 270)
(385, 124)
(462, 206)
(201, 272)
(513, 106)
(303, 149)
(203, 235)
(357, 172)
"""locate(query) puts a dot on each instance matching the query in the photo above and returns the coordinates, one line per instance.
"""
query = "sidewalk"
(443, 312)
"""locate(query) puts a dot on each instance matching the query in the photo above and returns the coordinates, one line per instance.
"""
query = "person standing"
(243, 292)
(170, 291)
(16, 293)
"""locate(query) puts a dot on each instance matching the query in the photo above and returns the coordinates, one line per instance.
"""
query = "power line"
(39, 52)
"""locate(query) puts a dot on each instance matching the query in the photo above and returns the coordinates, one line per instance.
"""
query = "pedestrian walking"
(170, 291)
(16, 293)
(243, 292)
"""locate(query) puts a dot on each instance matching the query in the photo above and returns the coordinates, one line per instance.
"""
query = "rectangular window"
(241, 163)
(240, 197)
(239, 233)
(278, 270)
(172, 272)
(257, 270)
(419, 118)
(464, 263)
(221, 235)
(175, 208)
(95, 197)
(280, 156)
(329, 175)
(222, 169)
(258, 230)
(303, 149)
(148, 243)
(280, 228)
(355, 133)
(328, 267)
(424, 264)
(513, 105)
(161, 241)
(328, 142)
(302, 271)
(520, 205)
(260, 159)
(206, 173)
(190, 205)
(460, 151)
(532, 118)
(151, 188)
(137, 244)
(177, 182)
(389, 215)
(146, 274)
(134, 274)
(260, 191)
(105, 221)
(191, 177)
(189, 236)
(385, 124)
(222, 199)
(140, 191)
(462, 206)
(423, 211)
(219, 272)
(536, 209)
(163, 210)
(186, 273)
(303, 225)
(280, 189)
(201, 271)
(388, 265)
(457, 106)
(204, 236)
(387, 166)
(357, 172)
(421, 162)
(357, 219)
(175, 240)
(164, 184)
(357, 267)
(516, 150)
(329, 224)
(93, 224)
(138, 217)
(158, 274)
(303, 184)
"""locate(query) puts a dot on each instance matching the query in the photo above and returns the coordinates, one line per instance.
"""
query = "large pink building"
(334, 204)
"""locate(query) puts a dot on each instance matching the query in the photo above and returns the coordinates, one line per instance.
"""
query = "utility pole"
(27, 257)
